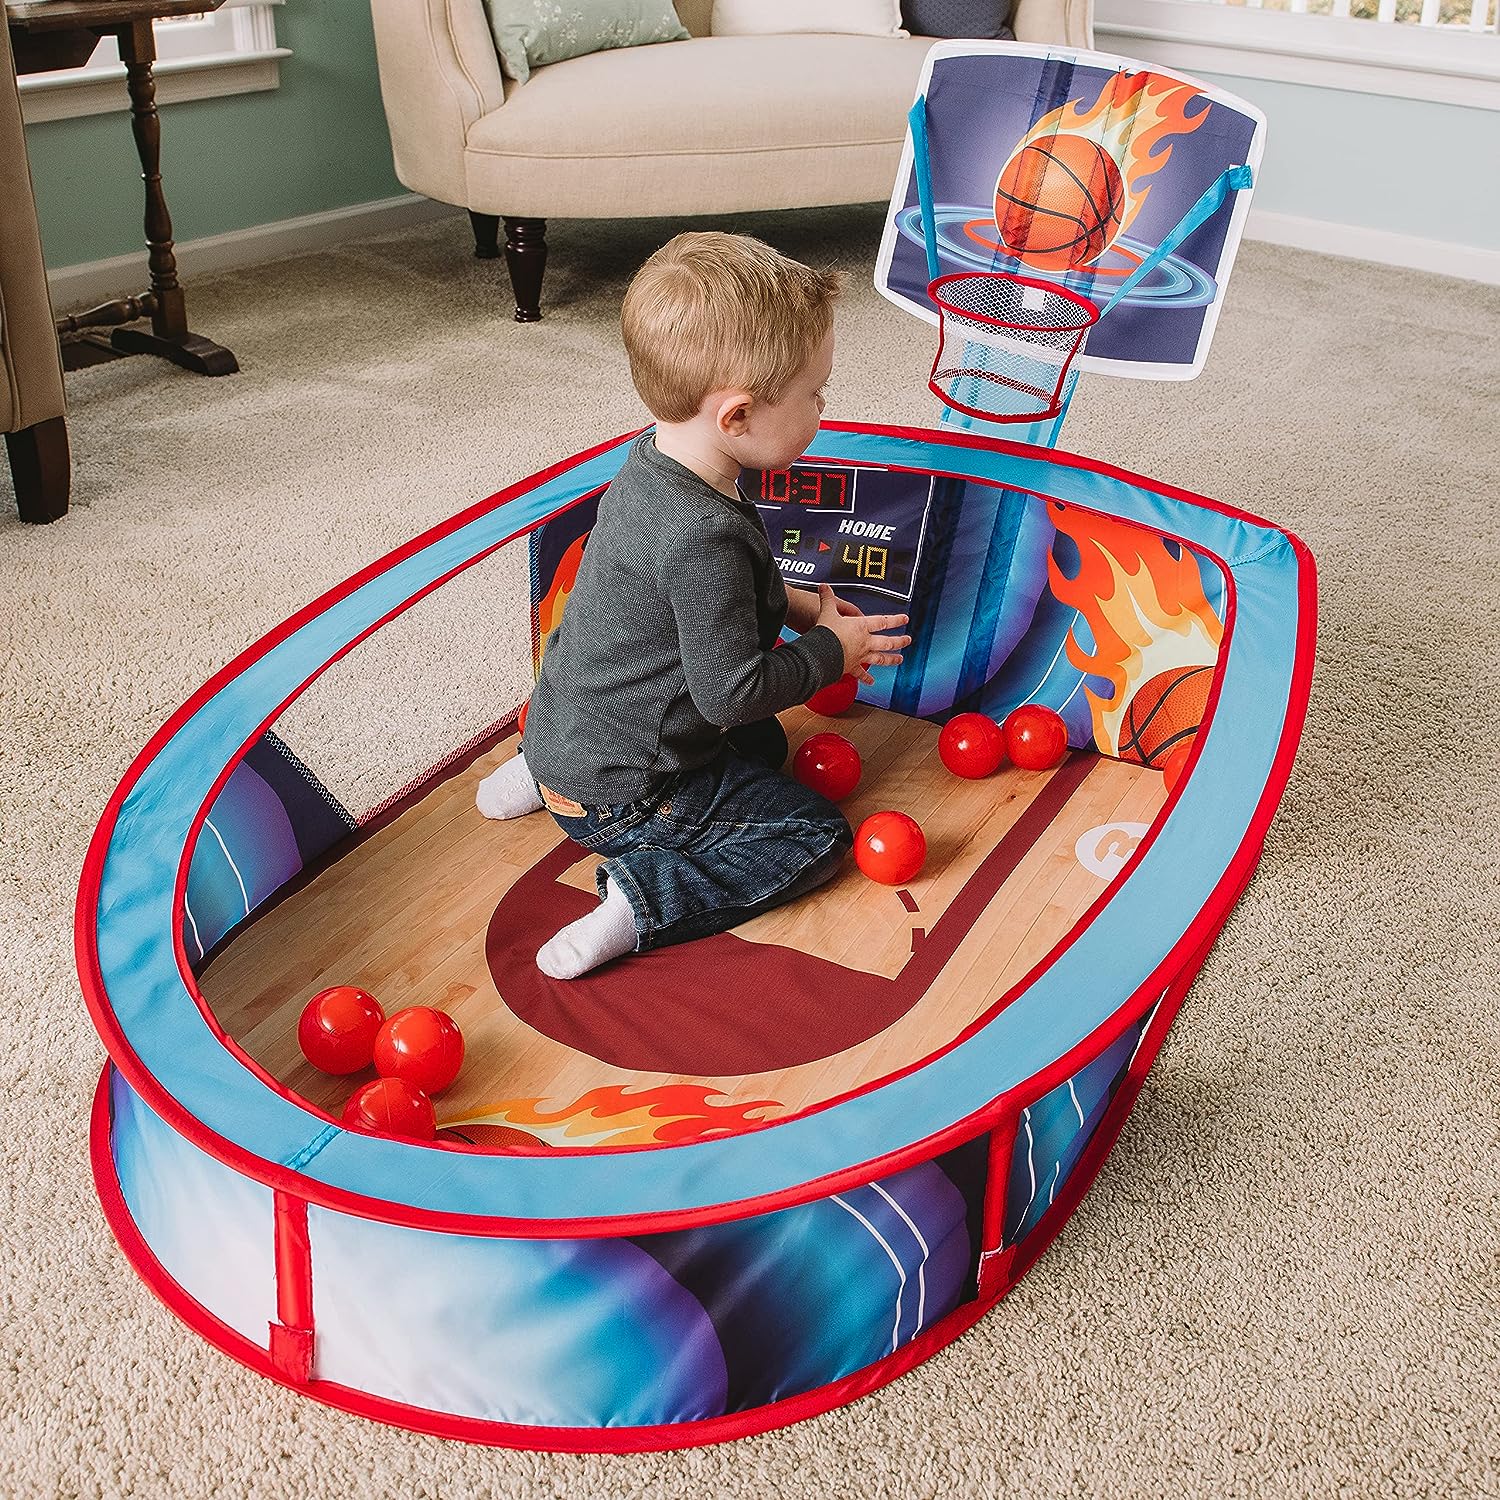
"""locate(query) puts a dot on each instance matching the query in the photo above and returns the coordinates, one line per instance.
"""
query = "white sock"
(605, 933)
(508, 792)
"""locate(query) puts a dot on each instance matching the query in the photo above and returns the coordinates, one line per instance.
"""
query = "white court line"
(244, 894)
(1077, 1107)
(1030, 1164)
(1140, 1040)
(1071, 696)
(1077, 615)
(1056, 1173)
(895, 1261)
(921, 1265)
(191, 923)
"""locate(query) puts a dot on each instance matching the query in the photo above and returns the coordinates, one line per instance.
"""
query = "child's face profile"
(766, 436)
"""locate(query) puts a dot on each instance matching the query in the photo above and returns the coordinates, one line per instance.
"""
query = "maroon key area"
(723, 1006)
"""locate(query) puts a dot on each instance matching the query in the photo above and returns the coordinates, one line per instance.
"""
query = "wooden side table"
(56, 33)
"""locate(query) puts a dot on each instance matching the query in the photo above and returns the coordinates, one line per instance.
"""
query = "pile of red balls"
(890, 846)
(417, 1052)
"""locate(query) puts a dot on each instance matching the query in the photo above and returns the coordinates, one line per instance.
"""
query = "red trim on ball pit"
(1210, 916)
(470, 1429)
(292, 1337)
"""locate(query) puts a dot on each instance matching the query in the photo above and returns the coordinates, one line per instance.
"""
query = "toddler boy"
(651, 734)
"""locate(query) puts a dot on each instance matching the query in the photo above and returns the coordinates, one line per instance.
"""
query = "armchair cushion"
(530, 33)
(684, 129)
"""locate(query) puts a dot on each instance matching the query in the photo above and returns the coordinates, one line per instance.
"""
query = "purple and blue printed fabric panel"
(1055, 1131)
(270, 820)
(654, 1329)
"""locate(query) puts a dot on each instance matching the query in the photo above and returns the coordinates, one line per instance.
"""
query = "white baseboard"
(74, 287)
(1383, 245)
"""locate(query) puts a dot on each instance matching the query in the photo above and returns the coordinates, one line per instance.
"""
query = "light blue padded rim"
(1078, 994)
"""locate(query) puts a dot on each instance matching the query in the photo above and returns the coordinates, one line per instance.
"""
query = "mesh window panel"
(437, 678)
(423, 692)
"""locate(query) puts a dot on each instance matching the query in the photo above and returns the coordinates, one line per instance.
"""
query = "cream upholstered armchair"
(719, 124)
(31, 379)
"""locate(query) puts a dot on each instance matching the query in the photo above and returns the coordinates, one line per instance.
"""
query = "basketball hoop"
(1005, 344)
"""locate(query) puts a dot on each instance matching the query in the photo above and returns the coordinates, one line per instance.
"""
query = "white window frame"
(231, 50)
(1446, 64)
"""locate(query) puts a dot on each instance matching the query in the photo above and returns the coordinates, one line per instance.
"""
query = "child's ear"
(734, 414)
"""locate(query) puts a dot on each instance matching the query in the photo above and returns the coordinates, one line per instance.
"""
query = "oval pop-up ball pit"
(716, 1187)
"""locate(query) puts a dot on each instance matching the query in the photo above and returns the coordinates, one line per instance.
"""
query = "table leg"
(169, 336)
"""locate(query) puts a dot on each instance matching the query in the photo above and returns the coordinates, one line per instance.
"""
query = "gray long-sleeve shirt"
(667, 638)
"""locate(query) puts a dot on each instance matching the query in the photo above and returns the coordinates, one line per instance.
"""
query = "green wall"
(318, 142)
(1403, 165)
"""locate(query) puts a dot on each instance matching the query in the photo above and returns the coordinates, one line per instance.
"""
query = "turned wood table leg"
(42, 469)
(526, 255)
(169, 334)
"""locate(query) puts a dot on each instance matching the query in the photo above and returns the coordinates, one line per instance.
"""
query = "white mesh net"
(1005, 345)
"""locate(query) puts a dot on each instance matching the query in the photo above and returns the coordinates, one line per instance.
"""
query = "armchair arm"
(438, 75)
(31, 377)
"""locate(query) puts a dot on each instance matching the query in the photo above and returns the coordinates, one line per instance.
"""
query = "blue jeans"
(717, 845)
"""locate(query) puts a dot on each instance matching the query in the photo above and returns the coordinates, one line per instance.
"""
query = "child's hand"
(864, 645)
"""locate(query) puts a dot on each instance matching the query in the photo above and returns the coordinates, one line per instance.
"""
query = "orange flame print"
(1146, 611)
(1133, 115)
(671, 1114)
(549, 610)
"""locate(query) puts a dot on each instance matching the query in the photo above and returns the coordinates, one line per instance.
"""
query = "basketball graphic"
(496, 1137)
(1059, 202)
(1163, 713)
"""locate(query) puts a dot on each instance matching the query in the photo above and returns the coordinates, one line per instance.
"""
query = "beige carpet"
(1284, 1282)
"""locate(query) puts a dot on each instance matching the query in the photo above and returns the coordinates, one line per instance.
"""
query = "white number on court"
(1102, 851)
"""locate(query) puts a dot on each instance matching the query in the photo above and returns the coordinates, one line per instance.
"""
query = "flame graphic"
(1145, 609)
(671, 1114)
(1133, 114)
(549, 610)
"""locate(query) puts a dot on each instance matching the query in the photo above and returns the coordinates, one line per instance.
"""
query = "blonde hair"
(711, 311)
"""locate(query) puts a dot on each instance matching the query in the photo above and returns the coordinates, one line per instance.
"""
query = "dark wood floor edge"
(948, 932)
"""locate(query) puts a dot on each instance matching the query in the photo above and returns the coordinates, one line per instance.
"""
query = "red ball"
(1036, 739)
(829, 764)
(422, 1046)
(521, 718)
(337, 1029)
(971, 745)
(890, 847)
(392, 1106)
(1175, 764)
(836, 697)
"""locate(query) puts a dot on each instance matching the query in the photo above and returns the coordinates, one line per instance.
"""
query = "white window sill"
(1447, 65)
(97, 91)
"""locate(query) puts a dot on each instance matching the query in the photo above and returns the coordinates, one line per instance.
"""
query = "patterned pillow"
(531, 33)
(988, 19)
(775, 17)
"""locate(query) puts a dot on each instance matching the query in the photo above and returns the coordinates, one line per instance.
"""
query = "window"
(231, 50)
(1444, 50)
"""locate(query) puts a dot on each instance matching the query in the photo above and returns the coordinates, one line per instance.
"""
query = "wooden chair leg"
(42, 469)
(486, 235)
(526, 255)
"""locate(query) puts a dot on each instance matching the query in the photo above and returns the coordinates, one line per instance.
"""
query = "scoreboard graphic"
(839, 524)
